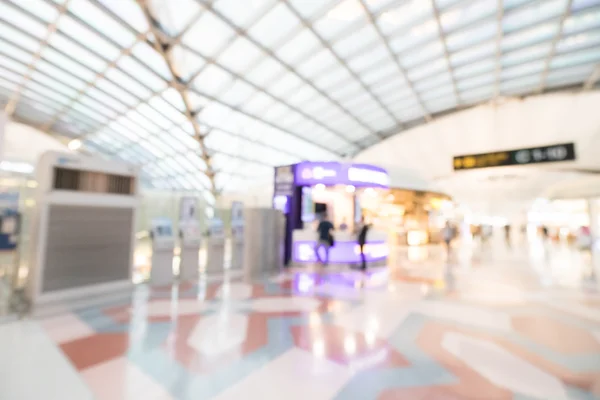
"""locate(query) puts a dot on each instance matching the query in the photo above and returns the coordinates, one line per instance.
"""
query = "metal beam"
(49, 101)
(288, 67)
(129, 108)
(343, 63)
(12, 103)
(593, 78)
(242, 158)
(442, 38)
(211, 128)
(373, 20)
(499, 37)
(272, 96)
(172, 42)
(555, 41)
(81, 92)
(161, 46)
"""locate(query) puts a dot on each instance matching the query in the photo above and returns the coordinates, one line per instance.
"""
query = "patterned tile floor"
(492, 323)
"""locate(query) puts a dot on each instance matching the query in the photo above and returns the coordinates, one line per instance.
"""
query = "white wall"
(405, 178)
(428, 150)
(23, 143)
(260, 195)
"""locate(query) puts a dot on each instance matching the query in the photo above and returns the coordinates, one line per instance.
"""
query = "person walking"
(325, 239)
(507, 235)
(363, 229)
(448, 233)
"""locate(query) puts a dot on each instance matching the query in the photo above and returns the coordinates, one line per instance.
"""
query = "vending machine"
(82, 232)
(190, 239)
(215, 247)
(237, 234)
(163, 245)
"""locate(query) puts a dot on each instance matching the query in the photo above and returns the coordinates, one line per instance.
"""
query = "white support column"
(594, 214)
(3, 123)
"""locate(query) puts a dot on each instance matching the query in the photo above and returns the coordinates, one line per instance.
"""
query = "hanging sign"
(532, 155)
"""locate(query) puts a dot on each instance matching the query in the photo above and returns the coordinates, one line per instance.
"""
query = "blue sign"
(9, 200)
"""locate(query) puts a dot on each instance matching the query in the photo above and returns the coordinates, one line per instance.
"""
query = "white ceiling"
(517, 123)
(239, 86)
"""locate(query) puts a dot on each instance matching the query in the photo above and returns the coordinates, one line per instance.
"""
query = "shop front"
(309, 191)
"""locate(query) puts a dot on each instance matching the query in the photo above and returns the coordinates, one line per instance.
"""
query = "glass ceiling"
(213, 94)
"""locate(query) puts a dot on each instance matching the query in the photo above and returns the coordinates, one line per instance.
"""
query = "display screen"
(320, 208)
(308, 208)
(533, 155)
(164, 230)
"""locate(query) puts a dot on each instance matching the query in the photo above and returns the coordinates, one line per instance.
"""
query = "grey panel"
(87, 246)
(90, 181)
(263, 243)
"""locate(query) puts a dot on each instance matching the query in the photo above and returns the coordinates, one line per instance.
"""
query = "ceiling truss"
(269, 119)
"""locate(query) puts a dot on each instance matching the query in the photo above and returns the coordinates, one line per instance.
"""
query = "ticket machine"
(237, 235)
(189, 239)
(215, 247)
(163, 244)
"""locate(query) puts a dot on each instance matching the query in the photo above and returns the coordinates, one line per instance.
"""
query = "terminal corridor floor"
(484, 324)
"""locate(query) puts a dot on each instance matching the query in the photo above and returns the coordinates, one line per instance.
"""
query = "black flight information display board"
(533, 155)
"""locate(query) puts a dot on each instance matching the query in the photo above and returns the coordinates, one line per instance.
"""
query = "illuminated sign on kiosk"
(297, 186)
(334, 173)
(533, 155)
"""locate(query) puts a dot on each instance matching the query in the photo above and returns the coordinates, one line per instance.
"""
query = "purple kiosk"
(306, 190)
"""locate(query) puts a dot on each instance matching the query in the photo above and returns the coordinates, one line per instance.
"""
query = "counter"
(345, 250)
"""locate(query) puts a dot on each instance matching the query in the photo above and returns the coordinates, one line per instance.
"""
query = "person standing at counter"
(362, 230)
(325, 238)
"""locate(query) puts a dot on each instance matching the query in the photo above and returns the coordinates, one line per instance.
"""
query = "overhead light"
(20, 167)
(75, 144)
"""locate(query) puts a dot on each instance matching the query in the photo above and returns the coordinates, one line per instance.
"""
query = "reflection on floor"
(490, 323)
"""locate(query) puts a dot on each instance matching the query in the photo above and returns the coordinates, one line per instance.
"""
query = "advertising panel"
(237, 219)
(188, 209)
(334, 173)
(237, 213)
(284, 181)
